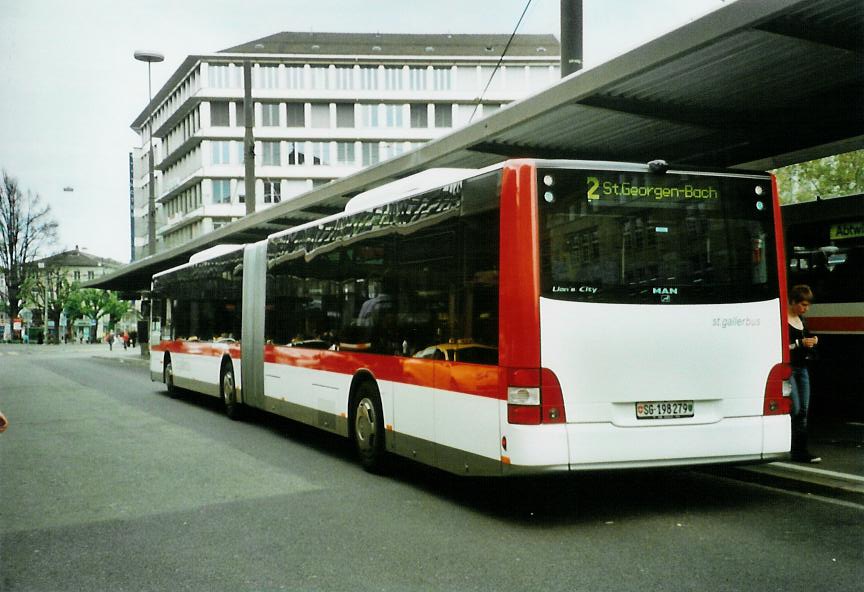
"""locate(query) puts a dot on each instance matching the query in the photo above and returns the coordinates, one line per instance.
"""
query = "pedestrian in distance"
(109, 337)
(802, 351)
(125, 338)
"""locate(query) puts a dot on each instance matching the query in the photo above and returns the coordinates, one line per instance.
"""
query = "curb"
(803, 479)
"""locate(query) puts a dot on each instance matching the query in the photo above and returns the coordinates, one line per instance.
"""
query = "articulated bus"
(536, 315)
(825, 250)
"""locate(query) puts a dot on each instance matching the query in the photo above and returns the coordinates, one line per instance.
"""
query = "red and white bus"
(825, 250)
(537, 315)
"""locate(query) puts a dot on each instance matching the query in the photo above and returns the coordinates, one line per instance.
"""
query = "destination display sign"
(642, 188)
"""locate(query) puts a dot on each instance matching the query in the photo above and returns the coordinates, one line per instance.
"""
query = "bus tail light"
(534, 397)
(778, 391)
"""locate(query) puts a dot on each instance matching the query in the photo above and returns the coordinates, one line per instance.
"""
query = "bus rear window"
(628, 237)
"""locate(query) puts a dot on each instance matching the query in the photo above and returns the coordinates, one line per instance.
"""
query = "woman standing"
(801, 352)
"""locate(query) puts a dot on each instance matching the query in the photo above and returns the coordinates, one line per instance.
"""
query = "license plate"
(664, 409)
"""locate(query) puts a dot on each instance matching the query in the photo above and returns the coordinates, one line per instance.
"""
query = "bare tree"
(26, 227)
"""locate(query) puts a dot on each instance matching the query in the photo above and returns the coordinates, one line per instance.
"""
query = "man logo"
(665, 294)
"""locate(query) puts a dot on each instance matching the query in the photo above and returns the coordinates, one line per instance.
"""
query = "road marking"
(815, 471)
(810, 496)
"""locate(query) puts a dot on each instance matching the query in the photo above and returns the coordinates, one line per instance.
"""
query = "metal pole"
(248, 138)
(151, 199)
(150, 57)
(571, 36)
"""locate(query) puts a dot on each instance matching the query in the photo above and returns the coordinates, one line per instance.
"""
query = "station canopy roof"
(756, 84)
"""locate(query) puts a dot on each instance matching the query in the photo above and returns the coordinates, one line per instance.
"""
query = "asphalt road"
(106, 483)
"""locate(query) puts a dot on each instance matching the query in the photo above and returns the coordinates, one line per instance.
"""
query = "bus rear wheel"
(228, 390)
(169, 379)
(367, 427)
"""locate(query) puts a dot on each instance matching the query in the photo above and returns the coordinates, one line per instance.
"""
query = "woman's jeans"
(800, 404)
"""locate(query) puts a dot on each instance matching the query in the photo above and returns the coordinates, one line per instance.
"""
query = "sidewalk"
(840, 444)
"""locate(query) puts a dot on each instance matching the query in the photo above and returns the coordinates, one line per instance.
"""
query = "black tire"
(367, 426)
(168, 375)
(228, 391)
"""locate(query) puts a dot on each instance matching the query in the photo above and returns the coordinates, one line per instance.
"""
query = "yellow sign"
(847, 230)
(603, 188)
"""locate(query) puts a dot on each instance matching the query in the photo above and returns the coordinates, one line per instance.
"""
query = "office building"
(325, 105)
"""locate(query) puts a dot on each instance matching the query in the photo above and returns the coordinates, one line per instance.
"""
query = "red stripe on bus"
(846, 324)
(471, 379)
(198, 348)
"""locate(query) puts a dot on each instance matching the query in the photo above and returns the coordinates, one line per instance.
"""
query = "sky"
(70, 88)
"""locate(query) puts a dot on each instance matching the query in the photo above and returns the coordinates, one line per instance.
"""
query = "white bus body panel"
(608, 357)
(315, 389)
(195, 372)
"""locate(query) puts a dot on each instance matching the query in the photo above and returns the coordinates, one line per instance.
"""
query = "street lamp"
(150, 57)
(41, 265)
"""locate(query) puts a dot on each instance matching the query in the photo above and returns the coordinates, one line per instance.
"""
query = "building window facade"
(268, 77)
(344, 78)
(320, 153)
(393, 115)
(270, 114)
(368, 116)
(393, 78)
(295, 76)
(444, 115)
(442, 79)
(417, 78)
(272, 192)
(220, 152)
(346, 111)
(221, 191)
(270, 154)
(320, 115)
(345, 153)
(369, 78)
(219, 114)
(419, 115)
(296, 153)
(344, 114)
(371, 153)
(295, 115)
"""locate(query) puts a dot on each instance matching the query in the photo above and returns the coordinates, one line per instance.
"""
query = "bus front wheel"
(367, 426)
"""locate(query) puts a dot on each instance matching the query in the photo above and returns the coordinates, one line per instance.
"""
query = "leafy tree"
(842, 174)
(94, 304)
(26, 226)
(52, 283)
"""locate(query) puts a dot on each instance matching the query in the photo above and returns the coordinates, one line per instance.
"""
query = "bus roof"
(437, 178)
(205, 255)
(407, 186)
